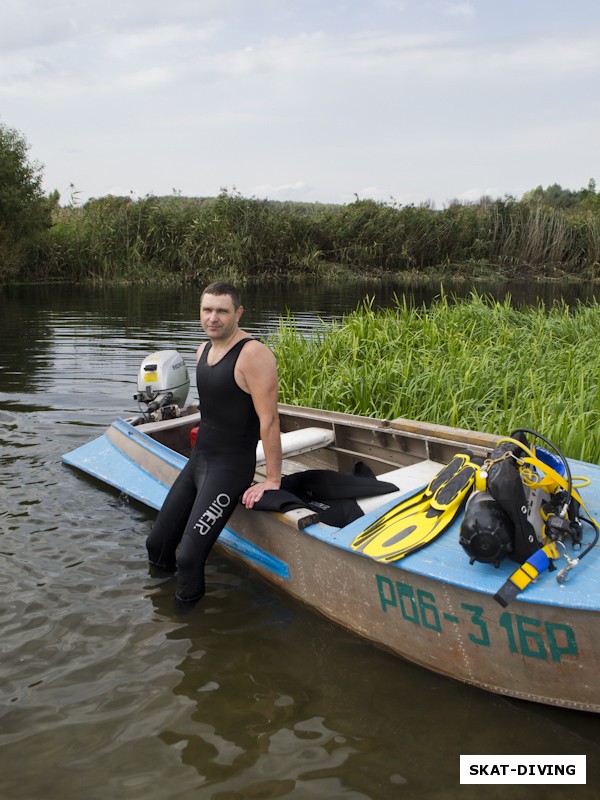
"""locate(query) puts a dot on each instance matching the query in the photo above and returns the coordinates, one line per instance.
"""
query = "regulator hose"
(550, 444)
(569, 479)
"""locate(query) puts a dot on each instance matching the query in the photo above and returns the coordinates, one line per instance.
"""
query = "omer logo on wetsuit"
(213, 513)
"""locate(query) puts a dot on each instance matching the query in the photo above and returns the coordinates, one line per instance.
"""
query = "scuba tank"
(505, 484)
(486, 532)
(496, 522)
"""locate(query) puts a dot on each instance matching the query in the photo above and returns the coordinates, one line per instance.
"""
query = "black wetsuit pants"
(195, 512)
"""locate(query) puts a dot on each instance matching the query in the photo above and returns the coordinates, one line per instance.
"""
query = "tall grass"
(197, 239)
(477, 364)
(184, 239)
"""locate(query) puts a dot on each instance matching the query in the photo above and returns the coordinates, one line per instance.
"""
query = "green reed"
(477, 364)
(183, 239)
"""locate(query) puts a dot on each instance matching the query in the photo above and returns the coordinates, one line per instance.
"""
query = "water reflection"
(284, 704)
(25, 336)
(338, 298)
(108, 692)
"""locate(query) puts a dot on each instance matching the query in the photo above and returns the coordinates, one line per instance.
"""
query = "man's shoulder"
(255, 349)
(252, 342)
(254, 345)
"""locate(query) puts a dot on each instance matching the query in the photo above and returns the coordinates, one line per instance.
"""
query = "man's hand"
(253, 494)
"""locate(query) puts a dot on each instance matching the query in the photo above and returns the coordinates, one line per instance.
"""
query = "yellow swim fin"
(421, 498)
(421, 518)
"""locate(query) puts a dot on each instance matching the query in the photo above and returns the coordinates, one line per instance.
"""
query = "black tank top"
(228, 419)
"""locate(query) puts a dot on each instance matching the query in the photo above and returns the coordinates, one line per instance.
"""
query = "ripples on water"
(108, 693)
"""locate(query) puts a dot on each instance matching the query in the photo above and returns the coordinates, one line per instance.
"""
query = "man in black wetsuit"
(237, 389)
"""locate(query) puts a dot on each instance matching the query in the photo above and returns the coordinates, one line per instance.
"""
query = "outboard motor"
(163, 386)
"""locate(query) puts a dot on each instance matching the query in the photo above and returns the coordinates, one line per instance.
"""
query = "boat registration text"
(522, 634)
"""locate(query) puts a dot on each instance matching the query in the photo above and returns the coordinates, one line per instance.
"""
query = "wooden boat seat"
(293, 443)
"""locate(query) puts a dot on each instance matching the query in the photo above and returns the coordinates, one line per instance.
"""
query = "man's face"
(218, 317)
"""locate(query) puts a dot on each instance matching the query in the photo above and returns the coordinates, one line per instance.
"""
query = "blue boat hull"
(432, 607)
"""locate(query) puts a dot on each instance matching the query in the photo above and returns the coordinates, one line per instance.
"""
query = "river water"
(106, 692)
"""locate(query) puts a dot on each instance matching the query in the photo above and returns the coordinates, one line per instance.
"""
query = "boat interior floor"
(295, 444)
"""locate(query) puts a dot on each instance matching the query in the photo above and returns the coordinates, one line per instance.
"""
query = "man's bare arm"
(259, 371)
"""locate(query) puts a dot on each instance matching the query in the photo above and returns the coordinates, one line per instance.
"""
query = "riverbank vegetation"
(551, 232)
(187, 240)
(477, 364)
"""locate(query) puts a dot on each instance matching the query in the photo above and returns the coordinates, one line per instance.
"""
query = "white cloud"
(288, 191)
(411, 100)
(155, 42)
(145, 78)
(455, 9)
(475, 193)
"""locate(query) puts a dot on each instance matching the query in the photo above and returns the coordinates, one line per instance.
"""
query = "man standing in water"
(237, 388)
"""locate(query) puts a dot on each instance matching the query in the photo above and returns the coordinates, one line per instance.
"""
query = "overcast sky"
(316, 100)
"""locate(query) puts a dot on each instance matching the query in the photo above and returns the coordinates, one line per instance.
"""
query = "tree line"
(550, 231)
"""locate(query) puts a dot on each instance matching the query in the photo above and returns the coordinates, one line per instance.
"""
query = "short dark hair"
(221, 287)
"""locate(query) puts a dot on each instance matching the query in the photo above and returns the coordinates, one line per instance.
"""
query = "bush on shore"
(179, 239)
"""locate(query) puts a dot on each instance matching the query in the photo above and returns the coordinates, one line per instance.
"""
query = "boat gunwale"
(422, 562)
